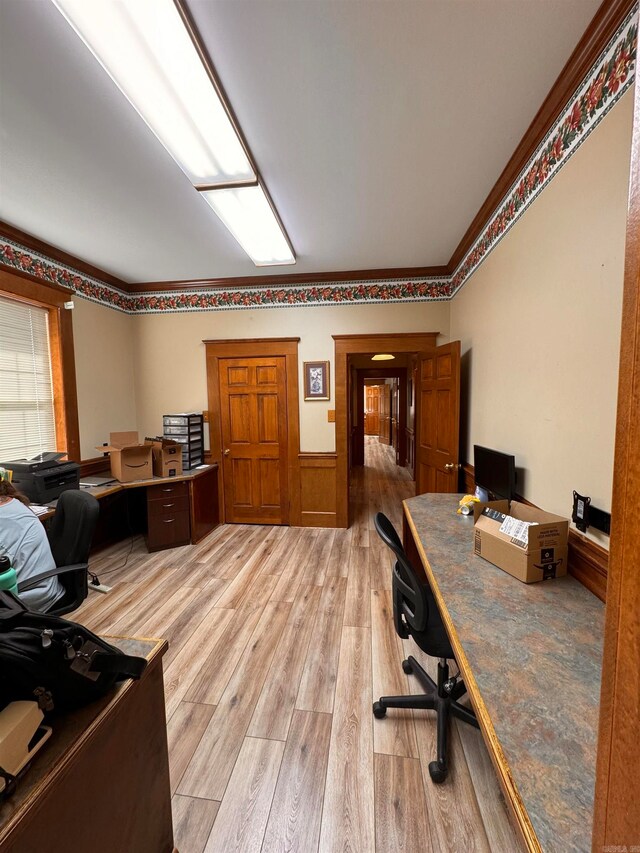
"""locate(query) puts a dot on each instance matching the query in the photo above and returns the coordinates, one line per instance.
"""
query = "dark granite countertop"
(535, 651)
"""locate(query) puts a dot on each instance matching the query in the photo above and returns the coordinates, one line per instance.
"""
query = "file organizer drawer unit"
(187, 430)
(168, 521)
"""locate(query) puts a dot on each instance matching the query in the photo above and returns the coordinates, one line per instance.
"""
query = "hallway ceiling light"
(383, 356)
(151, 50)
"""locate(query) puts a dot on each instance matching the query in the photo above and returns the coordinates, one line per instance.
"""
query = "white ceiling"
(379, 127)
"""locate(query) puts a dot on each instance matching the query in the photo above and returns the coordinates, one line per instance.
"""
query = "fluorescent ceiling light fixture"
(248, 215)
(146, 48)
(383, 356)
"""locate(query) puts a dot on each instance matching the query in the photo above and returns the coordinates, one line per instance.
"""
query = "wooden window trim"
(26, 288)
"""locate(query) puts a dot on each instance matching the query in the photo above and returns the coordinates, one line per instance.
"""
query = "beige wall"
(540, 327)
(170, 360)
(103, 342)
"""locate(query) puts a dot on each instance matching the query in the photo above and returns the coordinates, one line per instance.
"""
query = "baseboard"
(588, 561)
(318, 519)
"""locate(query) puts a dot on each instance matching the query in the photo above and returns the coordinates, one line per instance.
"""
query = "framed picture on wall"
(316, 380)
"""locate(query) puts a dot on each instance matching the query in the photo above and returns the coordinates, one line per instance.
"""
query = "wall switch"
(331, 416)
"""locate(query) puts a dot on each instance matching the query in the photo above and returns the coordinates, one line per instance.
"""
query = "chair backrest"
(72, 526)
(410, 595)
(70, 533)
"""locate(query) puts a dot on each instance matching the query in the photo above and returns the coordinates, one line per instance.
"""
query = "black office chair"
(416, 614)
(70, 534)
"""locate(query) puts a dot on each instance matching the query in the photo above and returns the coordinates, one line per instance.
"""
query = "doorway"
(436, 390)
(254, 428)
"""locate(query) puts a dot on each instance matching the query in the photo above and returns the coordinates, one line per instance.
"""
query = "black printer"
(45, 477)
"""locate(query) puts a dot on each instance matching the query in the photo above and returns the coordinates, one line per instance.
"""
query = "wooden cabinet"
(168, 523)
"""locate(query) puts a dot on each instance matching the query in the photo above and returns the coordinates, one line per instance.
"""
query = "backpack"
(60, 664)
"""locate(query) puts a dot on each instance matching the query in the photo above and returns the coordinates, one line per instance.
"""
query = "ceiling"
(379, 127)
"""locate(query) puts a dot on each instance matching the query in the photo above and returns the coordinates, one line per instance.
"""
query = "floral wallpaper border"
(607, 81)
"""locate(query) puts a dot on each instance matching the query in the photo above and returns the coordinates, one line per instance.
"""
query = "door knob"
(227, 452)
(450, 466)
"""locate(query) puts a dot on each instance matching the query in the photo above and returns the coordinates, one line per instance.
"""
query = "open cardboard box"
(545, 554)
(129, 459)
(167, 457)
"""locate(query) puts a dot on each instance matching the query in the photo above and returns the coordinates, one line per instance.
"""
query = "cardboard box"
(167, 457)
(130, 460)
(543, 556)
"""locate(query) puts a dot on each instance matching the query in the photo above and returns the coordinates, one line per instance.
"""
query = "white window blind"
(27, 419)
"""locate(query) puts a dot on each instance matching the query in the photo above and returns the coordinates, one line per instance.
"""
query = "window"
(27, 412)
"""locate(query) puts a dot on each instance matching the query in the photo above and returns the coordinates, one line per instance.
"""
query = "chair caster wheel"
(406, 665)
(436, 772)
(379, 711)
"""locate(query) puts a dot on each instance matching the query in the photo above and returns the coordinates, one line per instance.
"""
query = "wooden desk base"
(108, 790)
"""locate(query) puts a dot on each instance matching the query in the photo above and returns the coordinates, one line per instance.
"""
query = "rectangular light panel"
(147, 50)
(248, 215)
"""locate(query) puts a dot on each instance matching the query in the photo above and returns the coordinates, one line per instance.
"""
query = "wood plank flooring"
(280, 638)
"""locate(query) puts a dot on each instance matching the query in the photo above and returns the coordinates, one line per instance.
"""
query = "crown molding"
(52, 253)
(598, 73)
(271, 280)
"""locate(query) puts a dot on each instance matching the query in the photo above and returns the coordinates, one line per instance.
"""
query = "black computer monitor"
(495, 472)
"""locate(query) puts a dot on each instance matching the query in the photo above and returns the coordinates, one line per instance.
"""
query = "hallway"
(279, 639)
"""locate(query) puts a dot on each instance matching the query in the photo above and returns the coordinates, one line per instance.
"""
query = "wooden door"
(372, 410)
(385, 414)
(253, 416)
(438, 419)
(395, 419)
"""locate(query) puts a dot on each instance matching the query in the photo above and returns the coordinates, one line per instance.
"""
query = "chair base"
(441, 698)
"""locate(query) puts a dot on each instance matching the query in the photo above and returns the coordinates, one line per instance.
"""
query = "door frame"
(344, 346)
(249, 348)
(616, 821)
(399, 373)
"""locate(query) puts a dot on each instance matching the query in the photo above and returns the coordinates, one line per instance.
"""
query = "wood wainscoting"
(317, 489)
(588, 561)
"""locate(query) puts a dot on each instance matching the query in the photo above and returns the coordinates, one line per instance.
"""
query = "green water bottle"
(8, 577)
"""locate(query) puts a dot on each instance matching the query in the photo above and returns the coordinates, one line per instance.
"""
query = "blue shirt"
(24, 541)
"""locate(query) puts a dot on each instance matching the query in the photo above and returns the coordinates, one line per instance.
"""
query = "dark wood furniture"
(170, 511)
(101, 783)
(531, 659)
(168, 522)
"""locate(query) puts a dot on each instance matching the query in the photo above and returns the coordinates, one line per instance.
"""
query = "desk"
(531, 657)
(191, 513)
(101, 782)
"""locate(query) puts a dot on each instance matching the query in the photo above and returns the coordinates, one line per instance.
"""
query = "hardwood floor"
(280, 638)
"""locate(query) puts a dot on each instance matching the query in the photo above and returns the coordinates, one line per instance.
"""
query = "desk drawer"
(167, 505)
(167, 490)
(168, 531)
